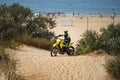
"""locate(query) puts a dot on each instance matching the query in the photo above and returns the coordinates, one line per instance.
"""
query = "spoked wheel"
(71, 51)
(54, 52)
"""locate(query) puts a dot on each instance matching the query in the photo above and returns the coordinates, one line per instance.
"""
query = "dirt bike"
(61, 47)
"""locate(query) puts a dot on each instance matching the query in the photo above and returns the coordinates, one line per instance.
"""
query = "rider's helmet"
(65, 31)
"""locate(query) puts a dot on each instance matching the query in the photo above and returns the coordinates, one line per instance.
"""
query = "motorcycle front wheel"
(54, 52)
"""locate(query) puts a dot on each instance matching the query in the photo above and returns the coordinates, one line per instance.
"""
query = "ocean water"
(69, 6)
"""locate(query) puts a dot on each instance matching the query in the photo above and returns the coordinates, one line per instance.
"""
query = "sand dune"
(37, 64)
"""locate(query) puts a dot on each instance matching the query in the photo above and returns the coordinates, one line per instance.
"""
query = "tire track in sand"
(37, 64)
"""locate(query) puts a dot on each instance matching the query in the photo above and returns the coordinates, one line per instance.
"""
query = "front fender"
(54, 45)
(57, 42)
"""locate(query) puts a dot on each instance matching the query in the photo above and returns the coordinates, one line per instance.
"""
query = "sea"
(70, 6)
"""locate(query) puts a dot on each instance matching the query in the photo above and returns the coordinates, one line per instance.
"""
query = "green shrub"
(110, 39)
(89, 42)
(38, 27)
(82, 48)
(112, 67)
(11, 19)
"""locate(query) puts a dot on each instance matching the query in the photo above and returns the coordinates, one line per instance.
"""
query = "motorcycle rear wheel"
(71, 51)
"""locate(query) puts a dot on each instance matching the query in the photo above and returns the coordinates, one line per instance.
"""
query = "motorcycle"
(60, 46)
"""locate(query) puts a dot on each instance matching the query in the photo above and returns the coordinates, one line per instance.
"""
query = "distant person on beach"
(73, 14)
(66, 35)
(78, 14)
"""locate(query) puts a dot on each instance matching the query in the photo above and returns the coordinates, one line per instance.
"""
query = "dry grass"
(39, 43)
(8, 67)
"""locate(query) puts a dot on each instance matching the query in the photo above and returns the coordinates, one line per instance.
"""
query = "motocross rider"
(66, 36)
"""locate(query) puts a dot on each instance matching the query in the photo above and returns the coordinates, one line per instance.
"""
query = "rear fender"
(71, 43)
